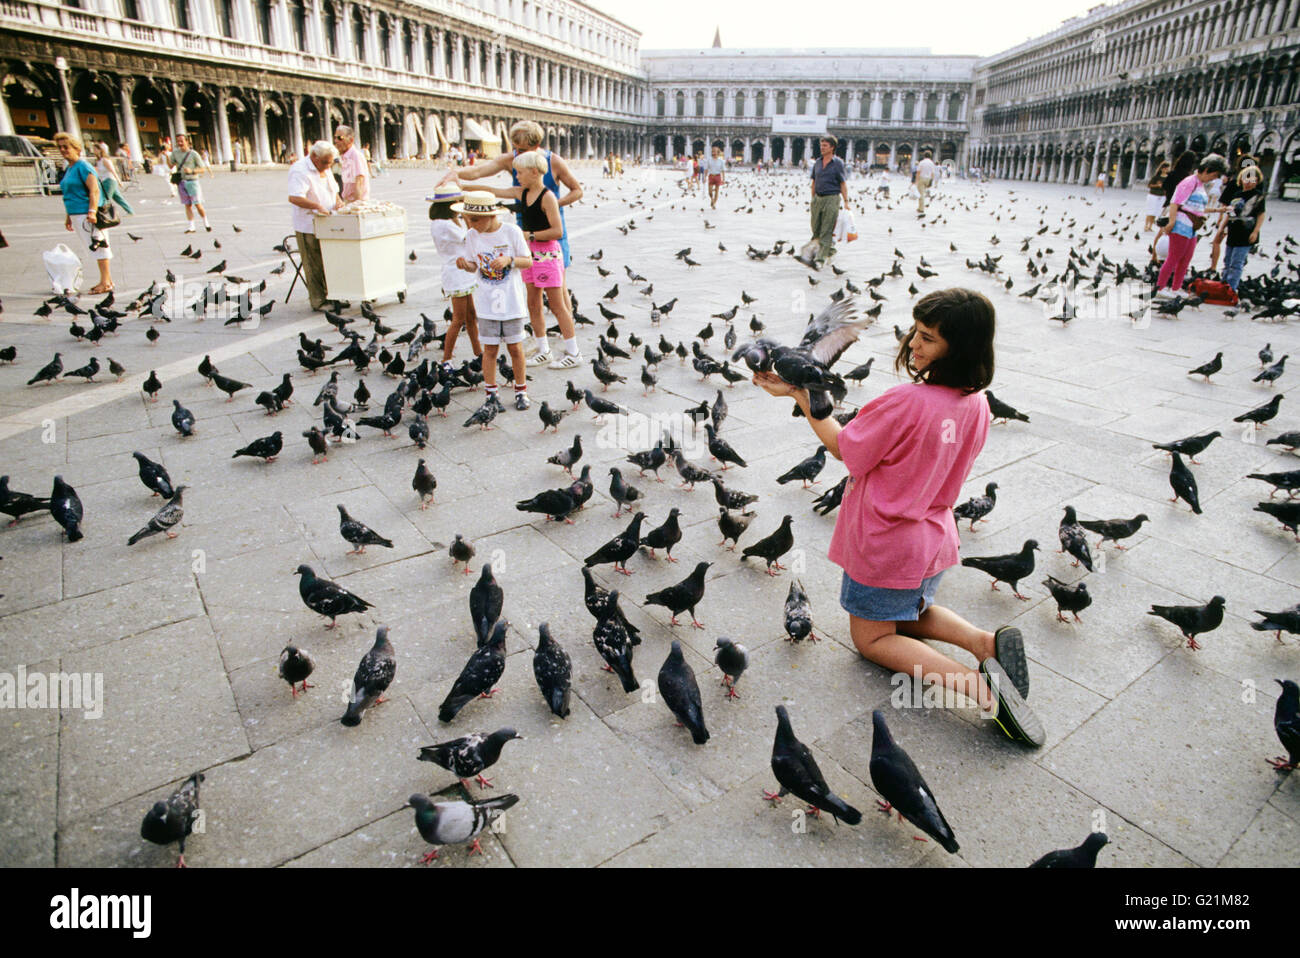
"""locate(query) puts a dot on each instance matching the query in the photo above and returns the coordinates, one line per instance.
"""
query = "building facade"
(1116, 90)
(885, 106)
(260, 79)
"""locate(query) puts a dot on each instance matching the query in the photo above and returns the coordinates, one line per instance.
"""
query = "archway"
(947, 151)
(278, 132)
(756, 151)
(679, 145)
(697, 147)
(881, 156)
(200, 121)
(797, 146)
(903, 156)
(29, 104)
(861, 149)
(1126, 157)
(1240, 147)
(1267, 152)
(1199, 143)
(738, 151)
(660, 147)
(778, 149)
(150, 116)
(96, 111)
(240, 120)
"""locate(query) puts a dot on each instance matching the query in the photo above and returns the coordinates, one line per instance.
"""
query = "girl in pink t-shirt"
(908, 453)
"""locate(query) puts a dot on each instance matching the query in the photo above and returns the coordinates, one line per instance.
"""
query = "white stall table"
(364, 253)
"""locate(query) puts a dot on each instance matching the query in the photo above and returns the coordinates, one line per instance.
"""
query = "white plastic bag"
(64, 268)
(846, 228)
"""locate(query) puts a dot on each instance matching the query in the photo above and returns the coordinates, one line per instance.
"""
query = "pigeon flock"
(383, 384)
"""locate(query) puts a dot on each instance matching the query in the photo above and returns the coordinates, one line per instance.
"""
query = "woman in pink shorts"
(542, 229)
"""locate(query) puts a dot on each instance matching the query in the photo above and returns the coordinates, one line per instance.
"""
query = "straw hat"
(477, 203)
(446, 193)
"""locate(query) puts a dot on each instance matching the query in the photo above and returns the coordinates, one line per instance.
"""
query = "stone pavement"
(1161, 746)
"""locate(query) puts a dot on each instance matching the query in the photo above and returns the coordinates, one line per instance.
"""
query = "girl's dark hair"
(1183, 168)
(965, 319)
(441, 211)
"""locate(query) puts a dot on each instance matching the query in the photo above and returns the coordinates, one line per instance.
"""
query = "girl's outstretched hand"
(775, 385)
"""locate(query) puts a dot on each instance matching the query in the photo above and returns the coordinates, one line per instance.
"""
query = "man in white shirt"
(312, 190)
(923, 177)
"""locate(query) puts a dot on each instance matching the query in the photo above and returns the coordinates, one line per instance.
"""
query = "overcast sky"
(945, 26)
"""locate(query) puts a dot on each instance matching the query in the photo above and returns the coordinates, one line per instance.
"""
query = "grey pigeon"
(182, 419)
(733, 526)
(798, 614)
(373, 676)
(622, 492)
(1114, 529)
(1191, 446)
(424, 484)
(164, 520)
(613, 642)
(567, 458)
(976, 508)
(896, 777)
(681, 693)
(485, 666)
(461, 550)
(359, 534)
(327, 598)
(173, 820)
(733, 659)
(552, 670)
(452, 823)
(1073, 539)
(65, 507)
(808, 470)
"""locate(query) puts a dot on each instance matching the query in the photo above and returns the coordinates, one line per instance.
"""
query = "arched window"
(699, 103)
(740, 103)
(298, 24)
(358, 34)
(760, 103)
(801, 102)
(780, 103)
(823, 102)
(385, 37)
(329, 24)
(130, 10)
(909, 107)
(181, 11)
(844, 104)
(659, 103)
(719, 104)
(681, 103)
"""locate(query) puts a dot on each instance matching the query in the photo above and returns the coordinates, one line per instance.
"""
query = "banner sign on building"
(805, 125)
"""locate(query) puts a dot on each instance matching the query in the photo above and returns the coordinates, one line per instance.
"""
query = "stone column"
(7, 123)
(767, 149)
(381, 139)
(178, 108)
(223, 127)
(263, 136)
(326, 133)
(874, 113)
(439, 54)
(295, 138)
(893, 155)
(131, 128)
(848, 150)
(1132, 170)
(316, 30)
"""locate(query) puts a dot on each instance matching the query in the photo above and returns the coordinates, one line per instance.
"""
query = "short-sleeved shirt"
(1245, 209)
(715, 164)
(76, 200)
(187, 161)
(908, 453)
(1190, 195)
(500, 293)
(827, 177)
(925, 170)
(353, 164)
(307, 181)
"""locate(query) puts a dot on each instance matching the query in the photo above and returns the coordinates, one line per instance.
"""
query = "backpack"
(1213, 292)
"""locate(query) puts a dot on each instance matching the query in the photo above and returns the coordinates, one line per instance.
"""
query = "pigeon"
(470, 755)
(484, 667)
(550, 417)
(164, 520)
(65, 507)
(808, 365)
(798, 614)
(1184, 484)
(614, 643)
(721, 450)
(1085, 856)
(114, 367)
(1287, 513)
(733, 526)
(227, 385)
(621, 492)
(452, 823)
(599, 405)
(1266, 355)
(977, 507)
(682, 597)
(1007, 568)
(1286, 723)
(154, 476)
(1069, 598)
(681, 693)
(267, 447)
(733, 659)
(896, 777)
(555, 504)
(1287, 482)
(858, 374)
(1261, 414)
(86, 372)
(552, 669)
(374, 674)
(424, 484)
(1192, 620)
(1191, 446)
(182, 419)
(808, 470)
(486, 600)
(483, 415)
(1073, 539)
(651, 459)
(1288, 620)
(461, 550)
(174, 819)
(730, 498)
(619, 549)
(1208, 369)
(49, 372)
(797, 773)
(665, 536)
(1001, 410)
(296, 666)
(327, 598)
(566, 458)
(359, 534)
(772, 547)
(1272, 373)
(603, 603)
(19, 504)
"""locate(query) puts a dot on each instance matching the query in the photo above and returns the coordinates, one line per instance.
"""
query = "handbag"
(106, 217)
(178, 173)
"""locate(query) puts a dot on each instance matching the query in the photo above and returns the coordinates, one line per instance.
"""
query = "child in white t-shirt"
(496, 251)
(449, 232)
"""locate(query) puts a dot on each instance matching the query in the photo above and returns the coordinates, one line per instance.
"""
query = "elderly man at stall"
(312, 190)
(525, 136)
(356, 172)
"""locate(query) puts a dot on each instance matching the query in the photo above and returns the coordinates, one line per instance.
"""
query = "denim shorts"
(887, 605)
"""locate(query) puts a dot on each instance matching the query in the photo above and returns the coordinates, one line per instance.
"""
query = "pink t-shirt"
(352, 163)
(908, 453)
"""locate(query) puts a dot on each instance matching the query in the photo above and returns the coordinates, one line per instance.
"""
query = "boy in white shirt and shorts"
(497, 251)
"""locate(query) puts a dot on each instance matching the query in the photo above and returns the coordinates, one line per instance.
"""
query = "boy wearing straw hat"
(496, 251)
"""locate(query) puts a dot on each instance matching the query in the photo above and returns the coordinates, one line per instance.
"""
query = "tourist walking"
(830, 187)
(110, 180)
(923, 178)
(716, 166)
(186, 165)
(81, 201)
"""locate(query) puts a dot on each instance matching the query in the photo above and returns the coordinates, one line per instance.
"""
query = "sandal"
(101, 289)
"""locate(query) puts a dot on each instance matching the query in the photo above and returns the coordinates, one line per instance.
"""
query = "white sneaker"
(190, 228)
(567, 361)
(539, 359)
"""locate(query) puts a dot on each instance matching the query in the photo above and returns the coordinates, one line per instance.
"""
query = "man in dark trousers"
(830, 185)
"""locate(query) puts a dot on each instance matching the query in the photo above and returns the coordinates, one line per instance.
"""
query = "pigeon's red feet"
(884, 806)
(669, 557)
(606, 668)
(332, 623)
(771, 796)
(488, 694)
(731, 692)
(476, 847)
(770, 571)
(181, 862)
(1076, 617)
(429, 857)
(1193, 644)
(1281, 764)
(695, 622)
(625, 570)
(381, 700)
(814, 812)
(994, 586)
(1023, 598)
(483, 782)
(305, 686)
(1060, 616)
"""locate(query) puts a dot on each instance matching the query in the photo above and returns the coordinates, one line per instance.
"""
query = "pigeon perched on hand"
(373, 676)
(173, 820)
(470, 755)
(896, 777)
(797, 772)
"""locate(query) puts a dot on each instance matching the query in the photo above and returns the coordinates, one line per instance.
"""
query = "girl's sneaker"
(521, 401)
(1009, 650)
